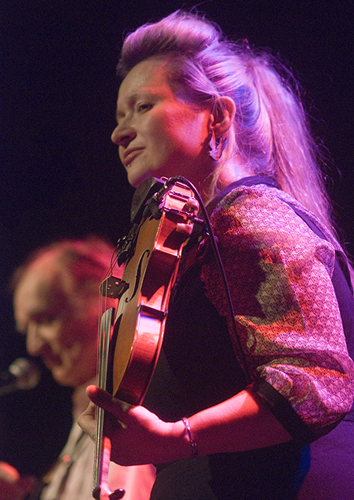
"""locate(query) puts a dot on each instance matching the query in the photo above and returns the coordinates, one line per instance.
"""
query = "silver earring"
(217, 147)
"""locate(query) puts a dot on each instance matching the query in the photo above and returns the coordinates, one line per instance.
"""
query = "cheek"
(53, 333)
(166, 140)
(66, 334)
(80, 330)
(160, 122)
(187, 132)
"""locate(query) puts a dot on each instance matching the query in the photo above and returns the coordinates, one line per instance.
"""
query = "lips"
(50, 359)
(130, 156)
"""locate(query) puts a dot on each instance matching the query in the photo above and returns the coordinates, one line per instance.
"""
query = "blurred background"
(60, 175)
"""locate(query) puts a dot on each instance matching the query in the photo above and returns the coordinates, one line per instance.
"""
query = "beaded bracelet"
(190, 439)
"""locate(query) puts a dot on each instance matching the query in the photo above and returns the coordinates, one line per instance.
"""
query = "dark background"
(60, 175)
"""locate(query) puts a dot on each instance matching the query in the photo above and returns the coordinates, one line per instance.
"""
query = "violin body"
(131, 341)
(142, 309)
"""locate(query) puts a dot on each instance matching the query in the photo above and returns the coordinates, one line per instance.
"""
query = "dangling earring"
(217, 146)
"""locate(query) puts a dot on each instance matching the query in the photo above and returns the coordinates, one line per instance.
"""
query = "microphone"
(22, 374)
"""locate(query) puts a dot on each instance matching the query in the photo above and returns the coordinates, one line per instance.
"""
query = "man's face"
(57, 327)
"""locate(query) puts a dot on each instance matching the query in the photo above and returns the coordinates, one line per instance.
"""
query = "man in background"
(57, 306)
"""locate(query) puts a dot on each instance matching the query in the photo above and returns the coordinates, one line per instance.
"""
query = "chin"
(135, 180)
(62, 377)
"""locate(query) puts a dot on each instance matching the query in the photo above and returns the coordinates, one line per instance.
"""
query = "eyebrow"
(133, 97)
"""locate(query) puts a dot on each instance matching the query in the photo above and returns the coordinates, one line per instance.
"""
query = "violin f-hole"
(145, 255)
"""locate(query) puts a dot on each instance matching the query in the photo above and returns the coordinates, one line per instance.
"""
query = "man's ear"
(222, 115)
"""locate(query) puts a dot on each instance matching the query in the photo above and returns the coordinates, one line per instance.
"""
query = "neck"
(233, 171)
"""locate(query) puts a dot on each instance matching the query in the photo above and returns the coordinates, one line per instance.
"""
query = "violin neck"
(102, 444)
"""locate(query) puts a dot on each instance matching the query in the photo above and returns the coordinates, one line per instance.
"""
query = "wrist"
(180, 444)
(188, 434)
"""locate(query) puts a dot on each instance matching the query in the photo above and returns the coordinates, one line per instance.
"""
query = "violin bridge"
(113, 287)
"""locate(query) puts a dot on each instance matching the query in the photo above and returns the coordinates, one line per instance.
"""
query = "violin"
(164, 215)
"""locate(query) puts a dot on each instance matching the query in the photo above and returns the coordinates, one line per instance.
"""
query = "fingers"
(108, 403)
(12, 486)
(87, 421)
(8, 473)
(117, 410)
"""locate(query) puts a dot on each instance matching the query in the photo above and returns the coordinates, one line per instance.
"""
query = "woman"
(193, 104)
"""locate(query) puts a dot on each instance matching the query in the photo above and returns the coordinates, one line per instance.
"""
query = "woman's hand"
(137, 435)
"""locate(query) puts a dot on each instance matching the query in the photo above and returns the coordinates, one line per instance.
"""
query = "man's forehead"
(37, 277)
(38, 289)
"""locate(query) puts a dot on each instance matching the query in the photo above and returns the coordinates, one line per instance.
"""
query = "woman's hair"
(270, 132)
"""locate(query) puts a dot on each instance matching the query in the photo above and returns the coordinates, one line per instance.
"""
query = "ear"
(222, 116)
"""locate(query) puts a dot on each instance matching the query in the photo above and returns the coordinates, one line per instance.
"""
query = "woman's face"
(158, 133)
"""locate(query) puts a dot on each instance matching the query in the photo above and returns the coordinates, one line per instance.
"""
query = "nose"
(123, 135)
(34, 341)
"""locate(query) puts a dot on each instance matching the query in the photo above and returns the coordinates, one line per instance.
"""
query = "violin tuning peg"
(185, 229)
(192, 206)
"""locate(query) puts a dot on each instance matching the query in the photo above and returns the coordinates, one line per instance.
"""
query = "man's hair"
(82, 262)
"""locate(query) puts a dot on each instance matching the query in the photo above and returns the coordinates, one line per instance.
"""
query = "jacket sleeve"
(287, 316)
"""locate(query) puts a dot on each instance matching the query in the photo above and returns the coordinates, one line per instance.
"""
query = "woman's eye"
(143, 107)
